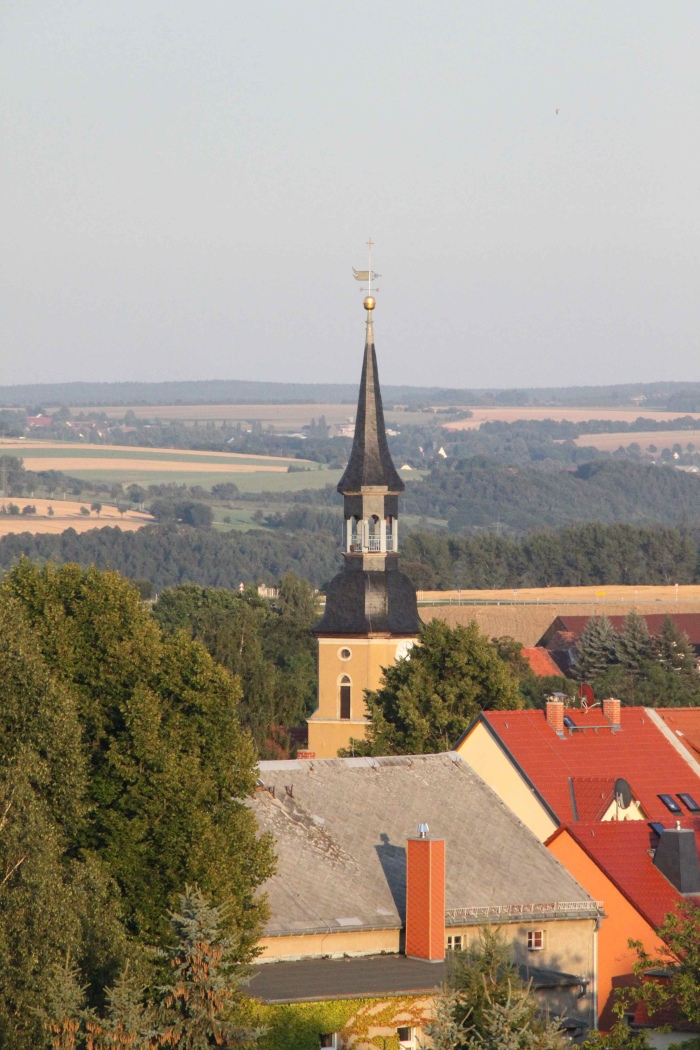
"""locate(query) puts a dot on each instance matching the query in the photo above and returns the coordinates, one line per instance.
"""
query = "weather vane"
(367, 275)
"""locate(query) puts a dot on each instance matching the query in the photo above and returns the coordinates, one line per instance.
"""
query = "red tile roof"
(621, 850)
(593, 795)
(574, 625)
(540, 661)
(684, 722)
(638, 751)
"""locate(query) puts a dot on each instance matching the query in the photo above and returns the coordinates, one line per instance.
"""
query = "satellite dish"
(585, 694)
(623, 793)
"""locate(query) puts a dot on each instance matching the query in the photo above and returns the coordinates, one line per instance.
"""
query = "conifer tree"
(634, 643)
(673, 649)
(596, 650)
(196, 1007)
(126, 1022)
(63, 1010)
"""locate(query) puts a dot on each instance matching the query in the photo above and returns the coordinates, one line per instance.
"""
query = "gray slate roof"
(312, 980)
(340, 828)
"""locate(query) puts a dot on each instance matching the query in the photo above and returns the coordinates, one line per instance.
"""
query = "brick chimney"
(555, 715)
(611, 710)
(425, 897)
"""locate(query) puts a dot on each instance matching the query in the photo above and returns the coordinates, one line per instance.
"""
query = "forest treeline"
(478, 493)
(674, 396)
(577, 555)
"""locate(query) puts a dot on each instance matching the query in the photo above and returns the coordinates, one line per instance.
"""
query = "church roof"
(370, 463)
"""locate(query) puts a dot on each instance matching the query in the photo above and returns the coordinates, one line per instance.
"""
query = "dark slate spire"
(370, 595)
(370, 463)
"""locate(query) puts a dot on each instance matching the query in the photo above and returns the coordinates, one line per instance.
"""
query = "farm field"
(66, 515)
(527, 616)
(116, 464)
(659, 438)
(602, 596)
(281, 417)
(572, 415)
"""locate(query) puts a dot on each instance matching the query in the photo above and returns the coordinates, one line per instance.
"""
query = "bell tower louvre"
(371, 616)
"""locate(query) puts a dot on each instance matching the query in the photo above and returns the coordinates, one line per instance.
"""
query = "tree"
(96, 507)
(166, 763)
(427, 701)
(57, 899)
(672, 648)
(486, 1005)
(85, 512)
(620, 1037)
(204, 989)
(126, 1019)
(63, 1010)
(634, 646)
(269, 645)
(596, 650)
(679, 960)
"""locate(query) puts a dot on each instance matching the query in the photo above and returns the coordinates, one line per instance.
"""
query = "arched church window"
(345, 692)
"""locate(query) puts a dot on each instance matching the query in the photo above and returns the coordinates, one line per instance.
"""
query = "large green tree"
(267, 644)
(427, 700)
(166, 763)
(56, 900)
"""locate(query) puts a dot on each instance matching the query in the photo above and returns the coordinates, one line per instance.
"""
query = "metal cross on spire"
(367, 275)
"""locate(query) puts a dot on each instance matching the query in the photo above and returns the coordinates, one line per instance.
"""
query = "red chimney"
(425, 897)
(611, 710)
(555, 715)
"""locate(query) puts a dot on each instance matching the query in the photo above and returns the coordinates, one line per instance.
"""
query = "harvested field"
(527, 616)
(281, 417)
(66, 515)
(32, 449)
(78, 464)
(658, 438)
(572, 415)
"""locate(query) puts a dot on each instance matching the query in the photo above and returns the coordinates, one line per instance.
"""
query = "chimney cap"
(423, 831)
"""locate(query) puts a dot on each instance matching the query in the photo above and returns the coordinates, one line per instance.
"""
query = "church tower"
(371, 617)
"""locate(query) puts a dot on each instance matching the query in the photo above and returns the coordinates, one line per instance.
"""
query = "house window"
(535, 940)
(454, 944)
(345, 689)
(405, 1035)
(330, 1039)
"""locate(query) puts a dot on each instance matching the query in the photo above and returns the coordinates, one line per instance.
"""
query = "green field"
(255, 481)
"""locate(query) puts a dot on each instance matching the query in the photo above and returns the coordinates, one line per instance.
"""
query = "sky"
(184, 188)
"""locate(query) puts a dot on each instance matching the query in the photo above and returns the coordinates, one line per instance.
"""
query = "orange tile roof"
(684, 722)
(638, 751)
(541, 662)
(621, 851)
(686, 622)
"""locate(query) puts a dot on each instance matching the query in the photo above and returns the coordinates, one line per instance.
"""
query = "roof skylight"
(670, 803)
(689, 802)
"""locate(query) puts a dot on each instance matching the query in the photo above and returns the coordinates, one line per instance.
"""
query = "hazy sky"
(186, 185)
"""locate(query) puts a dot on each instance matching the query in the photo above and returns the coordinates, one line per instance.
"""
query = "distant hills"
(674, 397)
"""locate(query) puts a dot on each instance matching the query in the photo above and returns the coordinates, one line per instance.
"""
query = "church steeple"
(370, 464)
(370, 596)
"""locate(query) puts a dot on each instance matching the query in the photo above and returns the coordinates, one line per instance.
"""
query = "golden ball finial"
(369, 303)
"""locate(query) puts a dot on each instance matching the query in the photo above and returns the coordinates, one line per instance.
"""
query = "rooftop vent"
(676, 857)
(423, 831)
